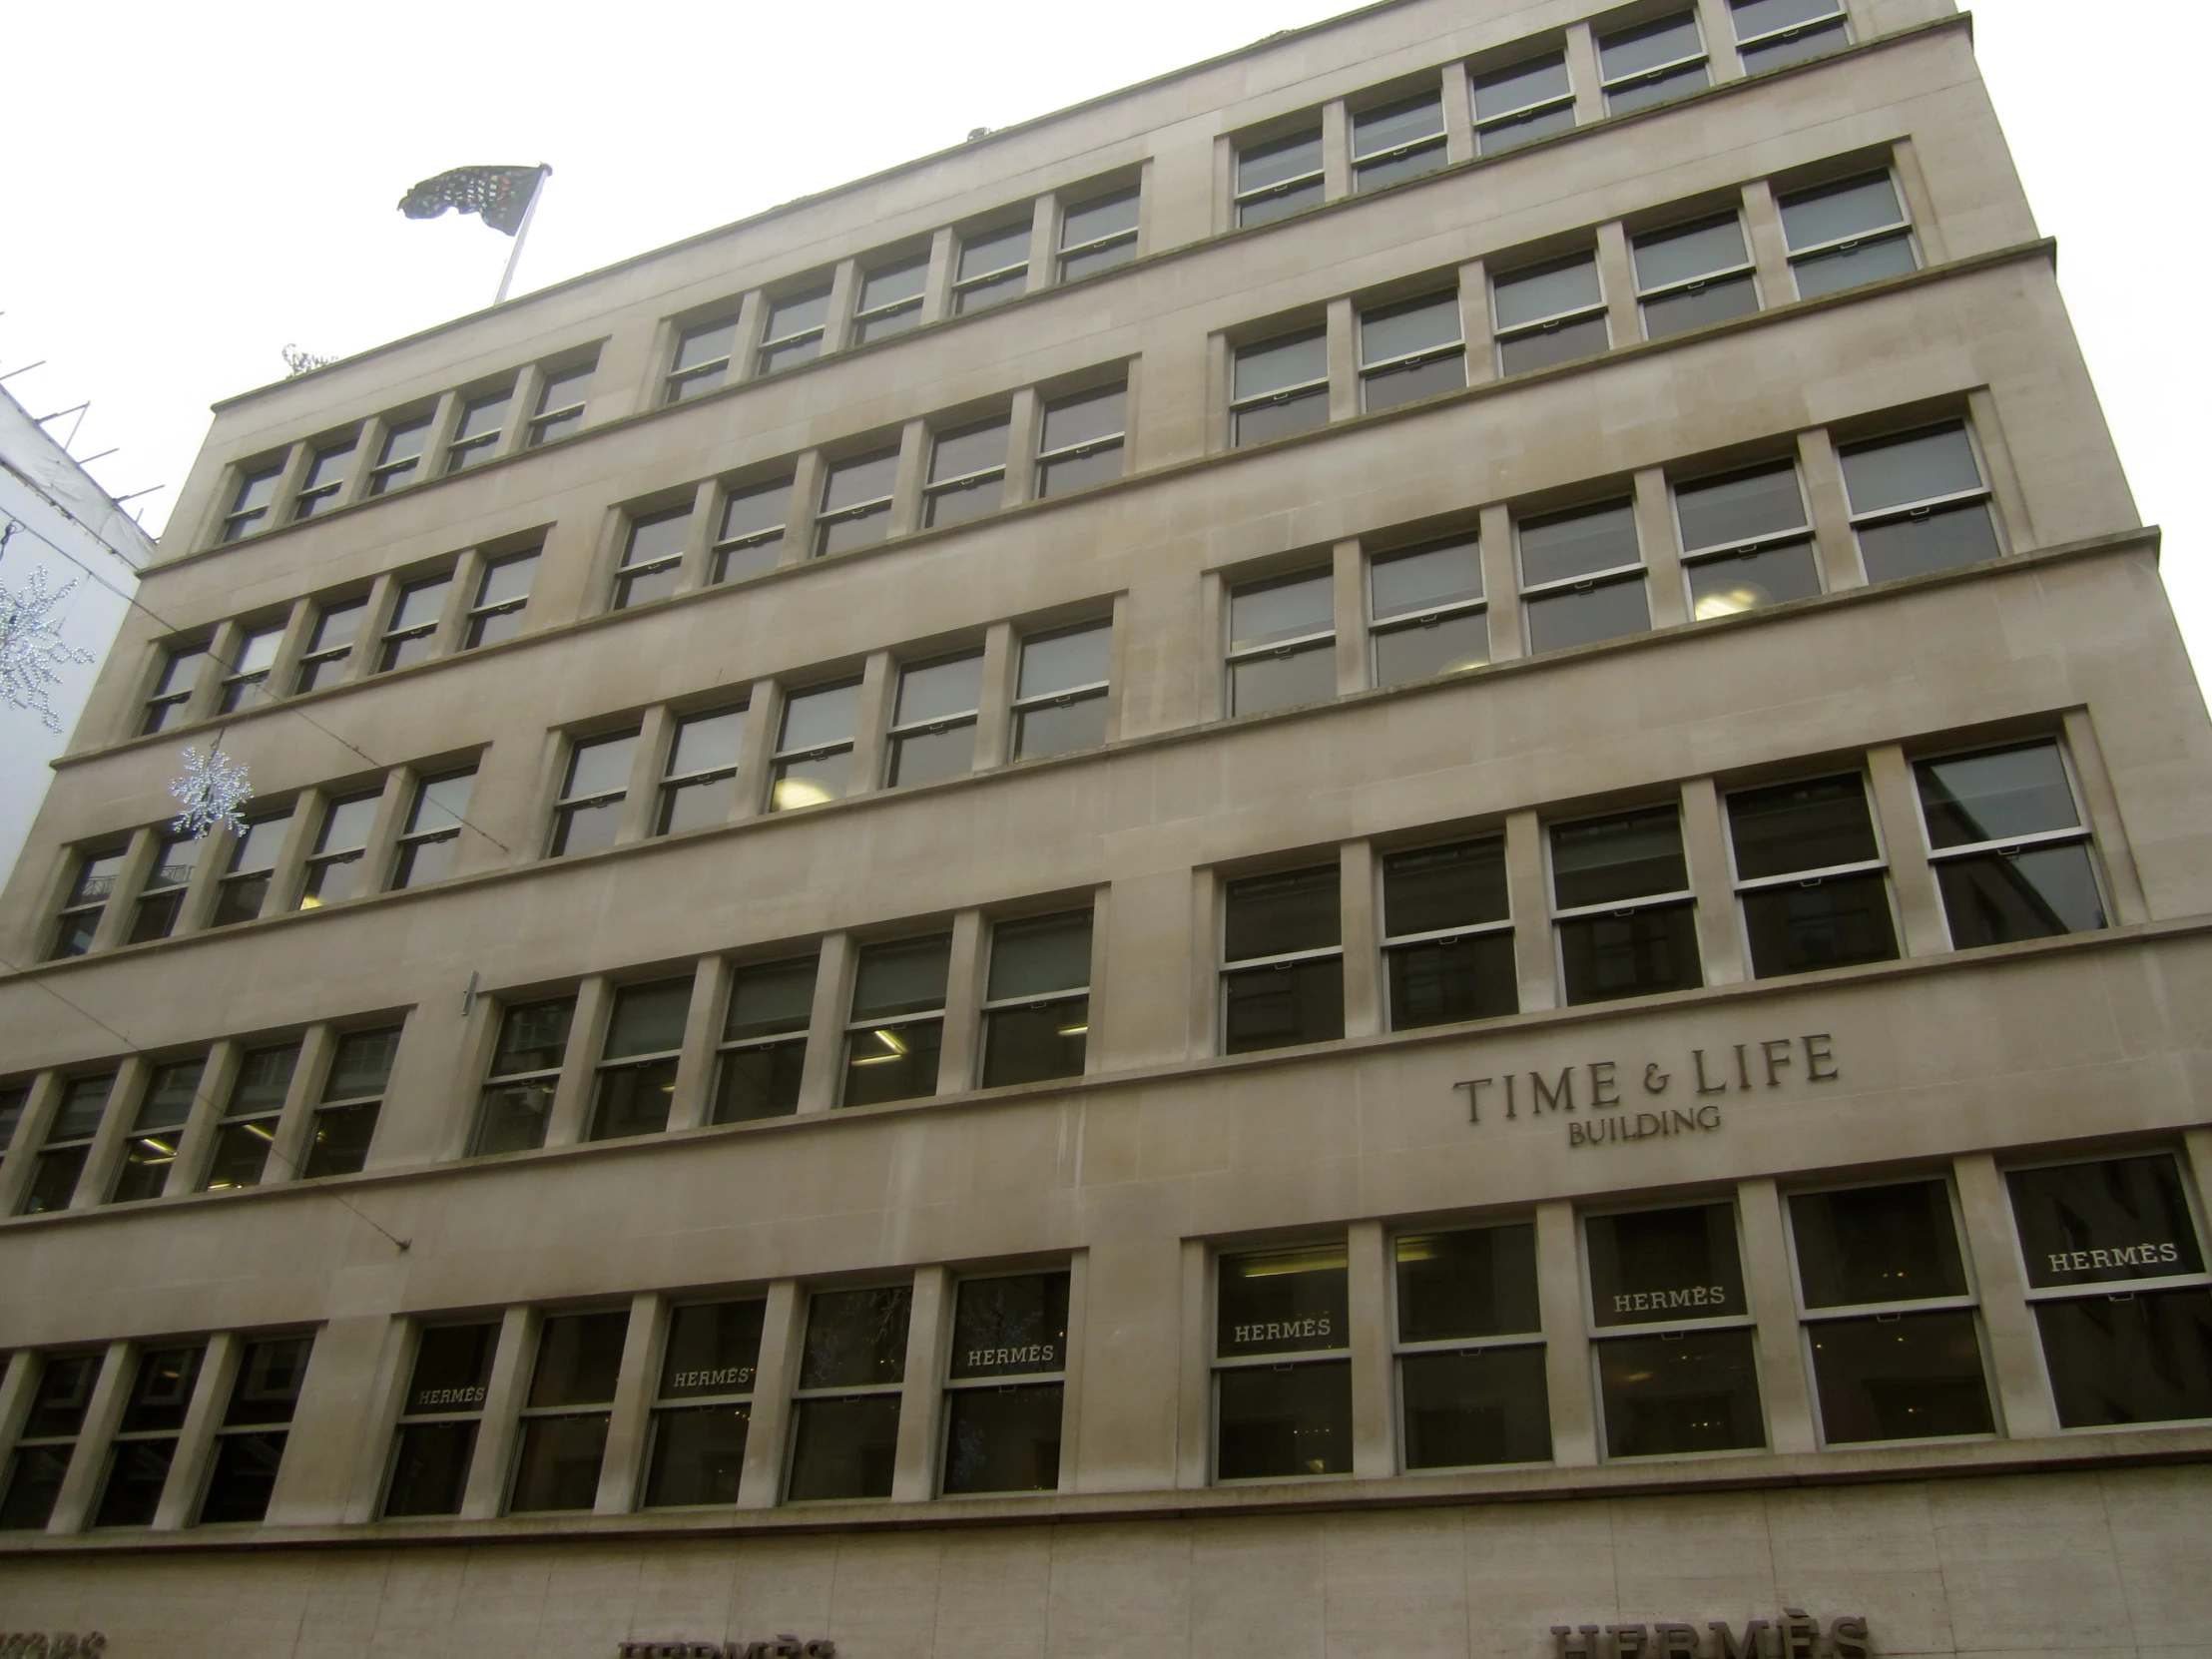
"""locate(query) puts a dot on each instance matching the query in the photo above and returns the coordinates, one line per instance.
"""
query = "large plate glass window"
(151, 1151)
(86, 901)
(1279, 386)
(856, 502)
(243, 889)
(560, 409)
(1809, 876)
(1890, 1317)
(1773, 33)
(413, 629)
(1426, 611)
(1848, 233)
(1282, 1364)
(1522, 103)
(589, 811)
(145, 1443)
(751, 538)
(1448, 935)
(1397, 141)
(763, 1052)
(433, 831)
(1549, 314)
(330, 647)
(813, 748)
(701, 360)
(968, 473)
(436, 1439)
(1098, 233)
(1283, 960)
(344, 1121)
(476, 438)
(1470, 1378)
(1282, 642)
(896, 1028)
(890, 299)
(993, 267)
(701, 784)
(563, 1432)
(246, 684)
(1690, 274)
(1279, 176)
(48, 1440)
(845, 1430)
(250, 502)
(1626, 918)
(1582, 576)
(2010, 849)
(1918, 502)
(60, 1157)
(1746, 541)
(1652, 63)
(400, 455)
(501, 593)
(1674, 1344)
(172, 697)
(637, 1067)
(1037, 1000)
(793, 332)
(257, 1422)
(651, 558)
(1411, 349)
(525, 1070)
(1080, 443)
(1005, 1397)
(335, 868)
(318, 491)
(703, 1403)
(933, 726)
(2115, 1275)
(249, 1127)
(1060, 689)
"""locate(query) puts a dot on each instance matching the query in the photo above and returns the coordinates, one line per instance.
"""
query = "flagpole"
(522, 231)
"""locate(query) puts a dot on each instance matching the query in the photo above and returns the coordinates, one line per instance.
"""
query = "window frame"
(936, 489)
(246, 514)
(1901, 229)
(466, 449)
(2081, 833)
(235, 875)
(473, 1415)
(541, 421)
(987, 282)
(142, 1356)
(1388, 941)
(162, 700)
(1301, 391)
(987, 1005)
(259, 1121)
(225, 1430)
(1522, 113)
(629, 569)
(1044, 459)
(1402, 1348)
(1551, 323)
(853, 1025)
(726, 1046)
(66, 1446)
(308, 674)
(1065, 251)
(411, 837)
(672, 781)
(1405, 362)
(1701, 58)
(661, 1403)
(948, 1384)
(1241, 201)
(1708, 555)
(247, 688)
(1404, 622)
(73, 907)
(324, 857)
(677, 382)
(1068, 697)
(799, 1393)
(1226, 968)
(828, 519)
(784, 752)
(1745, 270)
(604, 1065)
(1376, 160)
(392, 472)
(1741, 885)
(1315, 640)
(547, 1077)
(1283, 1359)
(314, 499)
(325, 1103)
(1921, 508)
(158, 888)
(1585, 581)
(53, 1142)
(774, 346)
(483, 612)
(1555, 913)
(566, 803)
(398, 634)
(898, 731)
(1836, 22)
(723, 546)
(867, 317)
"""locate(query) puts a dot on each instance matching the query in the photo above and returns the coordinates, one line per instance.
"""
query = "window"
(171, 698)
(1411, 349)
(890, 300)
(1037, 1000)
(249, 1445)
(1651, 63)
(561, 1446)
(1283, 969)
(1919, 503)
(2115, 1276)
(61, 1158)
(1060, 690)
(14, 1101)
(589, 811)
(1889, 1318)
(1397, 141)
(248, 1126)
(561, 404)
(701, 360)
(1282, 642)
(400, 455)
(763, 1040)
(1693, 1384)
(1448, 935)
(1582, 576)
(146, 1443)
(814, 748)
(651, 558)
(1004, 1395)
(151, 1151)
(637, 1068)
(433, 832)
(1690, 274)
(1809, 876)
(1621, 907)
(1280, 386)
(701, 786)
(1470, 1381)
(1099, 234)
(331, 645)
(243, 889)
(844, 1435)
(1746, 541)
(856, 503)
(1081, 443)
(703, 1405)
(967, 474)
(246, 684)
(1282, 1366)
(525, 1072)
(1552, 313)
(49, 1439)
(161, 900)
(335, 868)
(792, 334)
(476, 439)
(993, 267)
(934, 727)
(1846, 233)
(1522, 103)
(345, 1121)
(2011, 853)
(1427, 611)
(897, 1030)
(318, 491)
(501, 593)
(97, 875)
(413, 629)
(1279, 177)
(437, 1434)
(1772, 33)
(250, 505)
(751, 539)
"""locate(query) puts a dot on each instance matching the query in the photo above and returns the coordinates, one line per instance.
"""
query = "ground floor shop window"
(145, 1443)
(705, 1404)
(852, 1371)
(563, 1437)
(49, 1437)
(250, 1447)
(436, 1438)
(1470, 1382)
(1004, 1395)
(1282, 1371)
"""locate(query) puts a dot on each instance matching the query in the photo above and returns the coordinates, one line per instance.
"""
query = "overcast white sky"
(197, 186)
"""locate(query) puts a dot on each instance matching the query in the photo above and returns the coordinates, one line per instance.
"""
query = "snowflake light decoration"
(32, 649)
(211, 790)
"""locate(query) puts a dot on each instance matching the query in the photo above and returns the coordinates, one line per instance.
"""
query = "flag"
(501, 194)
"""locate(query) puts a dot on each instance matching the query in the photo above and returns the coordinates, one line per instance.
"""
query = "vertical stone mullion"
(699, 535)
(782, 1337)
(1367, 1260)
(807, 474)
(2015, 1348)
(1044, 251)
(936, 286)
(196, 1139)
(1705, 849)
(460, 590)
(1071, 1362)
(1829, 511)
(995, 715)
(1783, 1383)
(361, 661)
(1501, 583)
(688, 1107)
(88, 1459)
(1921, 926)
(1662, 548)
(1458, 112)
(19, 1378)
(569, 1119)
(1476, 326)
(1529, 895)
(913, 473)
(837, 328)
(288, 1155)
(1616, 270)
(486, 1495)
(1335, 150)
(871, 724)
(101, 1162)
(1770, 255)
(1349, 593)
(1568, 1370)
(1024, 426)
(210, 1392)
(1344, 358)
(755, 750)
(1584, 74)
(292, 858)
(824, 1070)
(640, 801)
(1717, 25)
(1358, 912)
(1195, 1393)
(629, 1418)
(21, 1154)
(928, 1329)
(958, 1059)
(130, 878)
(299, 625)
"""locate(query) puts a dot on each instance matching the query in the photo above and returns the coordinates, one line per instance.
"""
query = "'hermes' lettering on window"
(431, 1400)
(1036, 1353)
(721, 1376)
(2122, 1256)
(1277, 1331)
(1658, 1302)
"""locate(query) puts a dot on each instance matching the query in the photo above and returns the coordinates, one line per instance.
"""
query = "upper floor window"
(1282, 642)
(161, 900)
(589, 811)
(1427, 611)
(1651, 63)
(433, 831)
(150, 1152)
(318, 491)
(86, 900)
(1099, 234)
(1918, 502)
(856, 502)
(246, 684)
(1746, 541)
(1809, 876)
(1282, 968)
(751, 539)
(1549, 314)
(68, 1144)
(1448, 935)
(2012, 851)
(1279, 176)
(651, 558)
(1279, 386)
(1522, 103)
(338, 624)
(1772, 33)
(793, 330)
(413, 629)
(1845, 233)
(813, 746)
(701, 784)
(172, 697)
(1397, 141)
(560, 408)
(344, 1121)
(933, 725)
(637, 1065)
(896, 1028)
(501, 593)
(1582, 576)
(1060, 690)
(250, 1116)
(1690, 274)
(1037, 1000)
(256, 492)
(517, 1101)
(890, 299)
(1081, 440)
(763, 1053)
(993, 267)
(243, 890)
(400, 455)
(1411, 349)
(335, 870)
(968, 473)
(701, 360)
(476, 439)
(1623, 914)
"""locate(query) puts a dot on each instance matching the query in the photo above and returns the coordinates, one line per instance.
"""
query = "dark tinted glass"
(2141, 1359)
(1388, 332)
(854, 482)
(1004, 1439)
(1038, 957)
(1788, 827)
(1877, 1244)
(902, 978)
(267, 1388)
(843, 1448)
(705, 345)
(12, 1104)
(64, 1392)
(1639, 95)
(1486, 1405)
(1426, 579)
(265, 1077)
(758, 1082)
(892, 1062)
(713, 1348)
(1290, 1002)
(1298, 412)
(796, 314)
(162, 1389)
(1831, 921)
(1085, 419)
(243, 1480)
(771, 999)
(1562, 344)
(54, 1180)
(1446, 980)
(1996, 899)
(363, 1064)
(341, 1136)
(1479, 1282)
(893, 283)
(84, 1100)
(1273, 915)
(34, 1480)
(1760, 17)
(170, 1094)
(1440, 644)
(429, 1468)
(137, 1472)
(557, 1462)
(1567, 545)
(1012, 1326)
(533, 1036)
(632, 1100)
(1035, 1044)
(240, 1156)
(579, 1356)
(1278, 1421)
(2117, 1219)
(1515, 131)
(1408, 121)
(648, 1019)
(1616, 859)
(697, 1455)
(1665, 1266)
(1101, 216)
(1057, 728)
(1669, 1395)
(856, 1338)
(1916, 466)
(1386, 388)
(1849, 265)
(989, 251)
(1996, 795)
(1459, 886)
(1283, 1302)
(452, 1368)
(1900, 1378)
